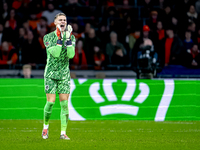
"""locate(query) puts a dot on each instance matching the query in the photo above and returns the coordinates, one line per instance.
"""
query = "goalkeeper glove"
(58, 33)
(68, 33)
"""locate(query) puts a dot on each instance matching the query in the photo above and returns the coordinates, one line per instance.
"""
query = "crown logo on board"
(111, 104)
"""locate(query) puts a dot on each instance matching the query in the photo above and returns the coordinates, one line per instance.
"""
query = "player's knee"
(51, 97)
(49, 106)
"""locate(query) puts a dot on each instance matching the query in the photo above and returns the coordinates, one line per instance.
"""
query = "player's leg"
(64, 90)
(64, 115)
(48, 107)
(50, 89)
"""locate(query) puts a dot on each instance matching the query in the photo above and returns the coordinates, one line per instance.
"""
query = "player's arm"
(70, 43)
(54, 50)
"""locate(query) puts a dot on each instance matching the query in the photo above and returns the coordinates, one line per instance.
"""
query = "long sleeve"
(71, 47)
(53, 48)
(70, 52)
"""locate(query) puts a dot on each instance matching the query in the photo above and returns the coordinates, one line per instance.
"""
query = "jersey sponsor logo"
(120, 99)
(47, 43)
(46, 87)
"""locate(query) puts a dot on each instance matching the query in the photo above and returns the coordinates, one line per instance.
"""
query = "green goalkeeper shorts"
(60, 86)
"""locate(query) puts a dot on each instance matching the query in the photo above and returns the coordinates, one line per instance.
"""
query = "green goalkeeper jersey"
(58, 56)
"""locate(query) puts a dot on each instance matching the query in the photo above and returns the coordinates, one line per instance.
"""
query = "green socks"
(64, 115)
(47, 111)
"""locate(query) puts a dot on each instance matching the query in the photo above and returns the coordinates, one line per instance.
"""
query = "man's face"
(188, 35)
(21, 31)
(148, 42)
(145, 34)
(50, 7)
(5, 6)
(5, 47)
(33, 16)
(159, 25)
(42, 32)
(96, 49)
(154, 16)
(91, 33)
(192, 9)
(125, 2)
(30, 35)
(192, 27)
(167, 10)
(75, 27)
(195, 48)
(43, 22)
(174, 21)
(113, 38)
(61, 21)
(169, 32)
(27, 73)
(12, 13)
(87, 27)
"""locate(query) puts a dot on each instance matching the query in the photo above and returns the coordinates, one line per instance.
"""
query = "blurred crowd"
(109, 33)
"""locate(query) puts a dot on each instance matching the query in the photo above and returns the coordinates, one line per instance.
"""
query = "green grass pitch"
(107, 134)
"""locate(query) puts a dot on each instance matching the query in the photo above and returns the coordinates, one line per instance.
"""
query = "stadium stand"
(23, 23)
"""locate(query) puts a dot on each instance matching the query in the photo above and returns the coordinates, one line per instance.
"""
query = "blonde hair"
(27, 66)
(60, 14)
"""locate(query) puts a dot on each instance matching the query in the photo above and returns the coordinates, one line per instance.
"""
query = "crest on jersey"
(47, 43)
(46, 87)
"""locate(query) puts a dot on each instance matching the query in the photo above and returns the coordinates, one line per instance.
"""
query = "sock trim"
(63, 132)
(46, 126)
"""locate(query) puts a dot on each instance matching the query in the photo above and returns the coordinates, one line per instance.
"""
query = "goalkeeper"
(60, 48)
